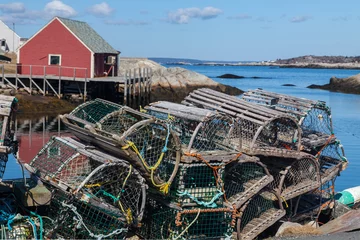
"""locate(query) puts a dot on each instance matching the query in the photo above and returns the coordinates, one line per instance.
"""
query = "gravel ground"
(336, 236)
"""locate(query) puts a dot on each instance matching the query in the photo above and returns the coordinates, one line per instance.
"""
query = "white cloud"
(126, 23)
(300, 19)
(16, 7)
(101, 10)
(58, 8)
(184, 15)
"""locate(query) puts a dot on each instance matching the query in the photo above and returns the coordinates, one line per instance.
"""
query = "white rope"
(80, 219)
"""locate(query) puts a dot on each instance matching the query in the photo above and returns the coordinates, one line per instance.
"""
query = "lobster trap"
(92, 111)
(87, 173)
(76, 219)
(148, 144)
(168, 222)
(293, 176)
(259, 213)
(243, 179)
(258, 126)
(198, 129)
(313, 116)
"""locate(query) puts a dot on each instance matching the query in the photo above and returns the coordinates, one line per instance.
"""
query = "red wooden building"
(67, 47)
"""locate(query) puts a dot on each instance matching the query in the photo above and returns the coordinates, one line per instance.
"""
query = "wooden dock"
(132, 89)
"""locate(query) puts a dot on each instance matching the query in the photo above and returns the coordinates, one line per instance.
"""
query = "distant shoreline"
(350, 66)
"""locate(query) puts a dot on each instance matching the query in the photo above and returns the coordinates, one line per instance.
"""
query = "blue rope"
(164, 150)
(210, 204)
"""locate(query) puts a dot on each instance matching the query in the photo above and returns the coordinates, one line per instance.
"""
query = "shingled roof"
(88, 36)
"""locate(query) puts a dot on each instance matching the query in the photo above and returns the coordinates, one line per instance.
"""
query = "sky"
(228, 30)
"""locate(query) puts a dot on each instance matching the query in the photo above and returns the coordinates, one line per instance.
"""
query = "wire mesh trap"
(147, 143)
(293, 177)
(243, 179)
(332, 160)
(198, 129)
(309, 206)
(165, 222)
(90, 174)
(259, 213)
(92, 111)
(76, 219)
(258, 126)
(313, 116)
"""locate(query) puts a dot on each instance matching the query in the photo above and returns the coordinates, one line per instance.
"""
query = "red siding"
(101, 66)
(55, 39)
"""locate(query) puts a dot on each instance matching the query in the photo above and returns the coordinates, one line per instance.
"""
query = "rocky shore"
(344, 85)
(173, 84)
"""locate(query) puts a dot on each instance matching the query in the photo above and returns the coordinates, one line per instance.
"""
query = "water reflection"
(32, 134)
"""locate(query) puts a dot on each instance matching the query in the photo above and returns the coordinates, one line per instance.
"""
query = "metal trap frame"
(198, 129)
(313, 116)
(259, 126)
(166, 221)
(76, 219)
(243, 179)
(293, 176)
(147, 143)
(87, 173)
(259, 213)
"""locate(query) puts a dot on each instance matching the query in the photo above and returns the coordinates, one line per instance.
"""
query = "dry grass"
(305, 230)
(10, 67)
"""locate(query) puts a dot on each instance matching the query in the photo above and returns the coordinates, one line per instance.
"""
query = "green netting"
(167, 223)
(117, 183)
(243, 180)
(74, 219)
(196, 185)
(93, 111)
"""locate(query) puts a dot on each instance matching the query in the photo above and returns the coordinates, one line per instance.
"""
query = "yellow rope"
(163, 187)
(187, 228)
(142, 110)
(93, 185)
(286, 205)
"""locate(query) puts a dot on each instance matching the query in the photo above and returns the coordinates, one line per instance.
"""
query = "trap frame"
(89, 174)
(166, 221)
(198, 129)
(258, 126)
(147, 143)
(293, 176)
(259, 213)
(76, 219)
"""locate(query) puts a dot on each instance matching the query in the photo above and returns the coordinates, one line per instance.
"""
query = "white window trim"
(54, 55)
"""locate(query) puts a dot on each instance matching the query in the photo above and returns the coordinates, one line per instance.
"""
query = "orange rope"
(326, 143)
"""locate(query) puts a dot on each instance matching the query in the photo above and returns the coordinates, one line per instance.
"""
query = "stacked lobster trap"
(301, 153)
(90, 189)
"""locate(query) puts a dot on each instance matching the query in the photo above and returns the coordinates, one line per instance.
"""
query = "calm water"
(345, 111)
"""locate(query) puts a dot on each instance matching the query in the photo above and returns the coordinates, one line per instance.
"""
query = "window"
(54, 59)
(3, 43)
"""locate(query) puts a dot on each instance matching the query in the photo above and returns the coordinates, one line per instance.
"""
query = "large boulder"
(173, 84)
(345, 85)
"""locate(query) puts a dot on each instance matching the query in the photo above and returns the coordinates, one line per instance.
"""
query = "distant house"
(9, 40)
(68, 48)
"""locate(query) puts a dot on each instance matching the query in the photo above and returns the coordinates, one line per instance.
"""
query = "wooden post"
(30, 79)
(125, 87)
(113, 70)
(16, 77)
(74, 73)
(85, 85)
(44, 90)
(60, 81)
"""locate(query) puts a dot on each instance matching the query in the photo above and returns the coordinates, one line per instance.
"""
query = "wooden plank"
(182, 108)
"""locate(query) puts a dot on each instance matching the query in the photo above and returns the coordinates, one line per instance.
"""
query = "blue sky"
(205, 29)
